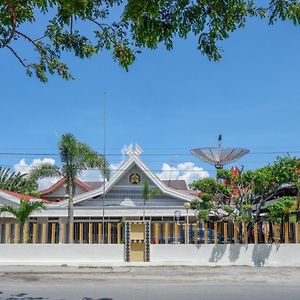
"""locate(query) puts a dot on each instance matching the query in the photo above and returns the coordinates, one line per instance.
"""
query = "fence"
(161, 233)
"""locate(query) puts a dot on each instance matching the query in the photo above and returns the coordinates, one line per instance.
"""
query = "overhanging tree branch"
(18, 57)
(13, 21)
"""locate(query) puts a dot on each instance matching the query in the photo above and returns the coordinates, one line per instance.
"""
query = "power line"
(144, 154)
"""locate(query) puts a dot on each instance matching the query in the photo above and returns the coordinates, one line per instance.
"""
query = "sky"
(168, 103)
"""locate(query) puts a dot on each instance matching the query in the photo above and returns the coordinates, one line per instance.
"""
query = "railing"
(55, 233)
(225, 233)
(161, 233)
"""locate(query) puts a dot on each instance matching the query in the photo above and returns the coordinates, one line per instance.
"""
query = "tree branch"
(102, 27)
(18, 57)
(39, 48)
(14, 23)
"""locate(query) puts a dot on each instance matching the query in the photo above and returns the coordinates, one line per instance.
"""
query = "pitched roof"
(176, 184)
(133, 159)
(22, 196)
(60, 182)
(94, 184)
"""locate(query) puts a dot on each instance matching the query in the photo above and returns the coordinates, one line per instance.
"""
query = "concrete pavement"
(149, 283)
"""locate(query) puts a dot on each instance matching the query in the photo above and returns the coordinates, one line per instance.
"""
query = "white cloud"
(115, 167)
(95, 175)
(187, 171)
(88, 175)
(25, 168)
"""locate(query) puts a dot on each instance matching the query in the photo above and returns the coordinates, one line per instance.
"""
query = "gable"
(128, 192)
(60, 192)
(121, 180)
(125, 179)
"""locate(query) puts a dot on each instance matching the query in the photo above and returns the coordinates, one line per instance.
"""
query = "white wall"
(201, 255)
(224, 255)
(47, 254)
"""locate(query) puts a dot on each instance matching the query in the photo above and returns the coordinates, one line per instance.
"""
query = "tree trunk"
(298, 204)
(70, 210)
(70, 205)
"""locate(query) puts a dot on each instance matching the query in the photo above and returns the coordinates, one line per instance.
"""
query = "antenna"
(55, 132)
(220, 140)
(219, 156)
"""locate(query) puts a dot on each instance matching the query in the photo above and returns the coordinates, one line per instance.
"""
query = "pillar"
(245, 227)
(119, 233)
(53, 229)
(286, 232)
(176, 230)
(44, 233)
(90, 233)
(7, 233)
(216, 232)
(34, 233)
(205, 233)
(255, 228)
(25, 233)
(225, 225)
(100, 241)
(167, 232)
(235, 232)
(17, 233)
(195, 227)
(80, 233)
(108, 233)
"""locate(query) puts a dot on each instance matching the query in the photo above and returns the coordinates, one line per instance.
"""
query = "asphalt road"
(150, 283)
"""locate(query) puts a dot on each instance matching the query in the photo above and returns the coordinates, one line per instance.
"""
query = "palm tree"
(149, 194)
(17, 182)
(75, 157)
(23, 211)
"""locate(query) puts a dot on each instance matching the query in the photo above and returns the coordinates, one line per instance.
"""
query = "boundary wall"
(281, 255)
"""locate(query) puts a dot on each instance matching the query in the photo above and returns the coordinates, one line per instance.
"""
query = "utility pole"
(104, 178)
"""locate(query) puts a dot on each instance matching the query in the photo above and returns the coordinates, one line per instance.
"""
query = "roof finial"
(129, 150)
(138, 150)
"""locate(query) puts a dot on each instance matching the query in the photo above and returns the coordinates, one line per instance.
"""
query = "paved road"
(150, 283)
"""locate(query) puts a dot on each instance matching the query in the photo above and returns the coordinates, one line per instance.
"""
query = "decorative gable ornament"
(136, 150)
(135, 178)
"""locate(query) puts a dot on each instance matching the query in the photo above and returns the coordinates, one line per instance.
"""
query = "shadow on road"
(24, 296)
(88, 298)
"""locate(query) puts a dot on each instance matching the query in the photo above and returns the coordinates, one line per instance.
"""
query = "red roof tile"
(60, 182)
(22, 196)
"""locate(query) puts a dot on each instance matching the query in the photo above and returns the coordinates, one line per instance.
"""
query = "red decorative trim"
(22, 196)
(60, 182)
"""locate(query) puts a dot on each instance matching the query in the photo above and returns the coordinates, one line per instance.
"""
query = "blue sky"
(168, 102)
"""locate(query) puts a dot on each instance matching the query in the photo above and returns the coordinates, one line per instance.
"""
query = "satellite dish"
(219, 156)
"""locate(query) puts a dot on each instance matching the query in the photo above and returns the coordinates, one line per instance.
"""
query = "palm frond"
(146, 190)
(154, 193)
(43, 171)
(24, 210)
(148, 193)
(17, 182)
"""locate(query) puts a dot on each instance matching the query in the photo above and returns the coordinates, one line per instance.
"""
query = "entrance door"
(137, 242)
